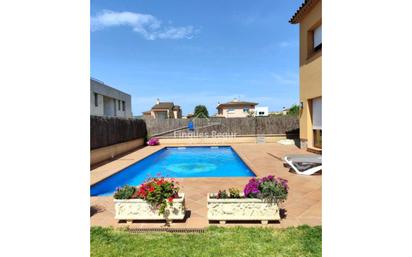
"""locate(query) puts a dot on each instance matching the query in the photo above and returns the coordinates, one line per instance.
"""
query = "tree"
(201, 111)
(293, 110)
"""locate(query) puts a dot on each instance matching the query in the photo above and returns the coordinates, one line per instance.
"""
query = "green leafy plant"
(125, 192)
(293, 110)
(273, 192)
(222, 194)
(270, 188)
(234, 192)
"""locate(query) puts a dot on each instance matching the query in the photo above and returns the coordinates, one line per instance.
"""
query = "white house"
(261, 111)
(108, 101)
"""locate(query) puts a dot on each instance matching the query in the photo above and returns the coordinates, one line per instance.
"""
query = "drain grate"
(170, 230)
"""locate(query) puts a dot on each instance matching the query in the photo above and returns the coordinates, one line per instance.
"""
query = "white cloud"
(293, 43)
(284, 44)
(145, 24)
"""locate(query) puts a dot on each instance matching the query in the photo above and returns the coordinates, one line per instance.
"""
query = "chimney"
(158, 101)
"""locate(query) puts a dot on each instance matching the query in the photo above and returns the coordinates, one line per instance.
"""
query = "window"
(261, 113)
(317, 38)
(96, 99)
(317, 122)
(245, 109)
(118, 105)
(230, 110)
(124, 105)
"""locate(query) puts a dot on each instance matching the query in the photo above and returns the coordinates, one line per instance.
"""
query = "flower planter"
(241, 209)
(138, 209)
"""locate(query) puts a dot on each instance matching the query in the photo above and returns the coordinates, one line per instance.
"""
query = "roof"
(163, 105)
(236, 103)
(306, 6)
(176, 107)
(147, 113)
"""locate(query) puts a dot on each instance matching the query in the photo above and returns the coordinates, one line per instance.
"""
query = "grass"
(216, 241)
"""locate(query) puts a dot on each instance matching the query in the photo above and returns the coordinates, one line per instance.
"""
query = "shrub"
(125, 192)
(222, 194)
(268, 188)
(159, 192)
(201, 111)
(153, 141)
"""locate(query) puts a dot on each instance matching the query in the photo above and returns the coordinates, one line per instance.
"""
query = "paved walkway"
(303, 206)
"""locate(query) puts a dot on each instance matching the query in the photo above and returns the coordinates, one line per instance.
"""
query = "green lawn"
(216, 241)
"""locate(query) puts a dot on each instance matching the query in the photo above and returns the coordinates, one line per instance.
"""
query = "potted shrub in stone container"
(258, 202)
(155, 199)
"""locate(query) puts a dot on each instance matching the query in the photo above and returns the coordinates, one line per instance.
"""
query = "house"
(235, 109)
(261, 111)
(164, 110)
(309, 18)
(108, 101)
(284, 111)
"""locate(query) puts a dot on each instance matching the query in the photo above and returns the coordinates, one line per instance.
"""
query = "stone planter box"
(138, 209)
(243, 209)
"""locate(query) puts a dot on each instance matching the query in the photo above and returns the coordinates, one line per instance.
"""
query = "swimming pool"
(177, 162)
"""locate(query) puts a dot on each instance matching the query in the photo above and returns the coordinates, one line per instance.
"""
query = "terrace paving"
(303, 206)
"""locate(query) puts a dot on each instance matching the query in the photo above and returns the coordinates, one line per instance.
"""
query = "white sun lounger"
(304, 164)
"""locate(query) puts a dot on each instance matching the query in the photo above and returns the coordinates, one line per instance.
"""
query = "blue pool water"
(177, 162)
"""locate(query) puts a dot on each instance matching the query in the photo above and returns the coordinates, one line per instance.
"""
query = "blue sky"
(197, 52)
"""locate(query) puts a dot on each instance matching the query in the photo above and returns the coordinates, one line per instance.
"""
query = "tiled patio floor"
(304, 204)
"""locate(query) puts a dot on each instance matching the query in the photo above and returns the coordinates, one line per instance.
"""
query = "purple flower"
(252, 188)
(153, 141)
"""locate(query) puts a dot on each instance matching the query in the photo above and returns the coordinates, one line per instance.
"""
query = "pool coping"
(117, 165)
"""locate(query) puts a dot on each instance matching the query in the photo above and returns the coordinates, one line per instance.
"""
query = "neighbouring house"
(261, 111)
(108, 101)
(164, 110)
(284, 111)
(236, 109)
(309, 18)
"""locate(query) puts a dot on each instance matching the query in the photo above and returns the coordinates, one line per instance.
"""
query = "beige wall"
(170, 114)
(310, 74)
(237, 113)
(106, 153)
(177, 114)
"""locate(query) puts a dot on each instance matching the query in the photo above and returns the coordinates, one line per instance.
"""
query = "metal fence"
(105, 131)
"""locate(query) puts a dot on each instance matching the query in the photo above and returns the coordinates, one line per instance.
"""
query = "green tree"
(293, 110)
(201, 111)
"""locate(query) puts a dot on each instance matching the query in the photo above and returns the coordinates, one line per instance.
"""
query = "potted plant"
(156, 199)
(259, 201)
(153, 141)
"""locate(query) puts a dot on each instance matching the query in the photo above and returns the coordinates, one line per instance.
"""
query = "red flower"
(151, 189)
(170, 199)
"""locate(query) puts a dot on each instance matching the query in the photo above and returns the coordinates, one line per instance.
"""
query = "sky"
(197, 52)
